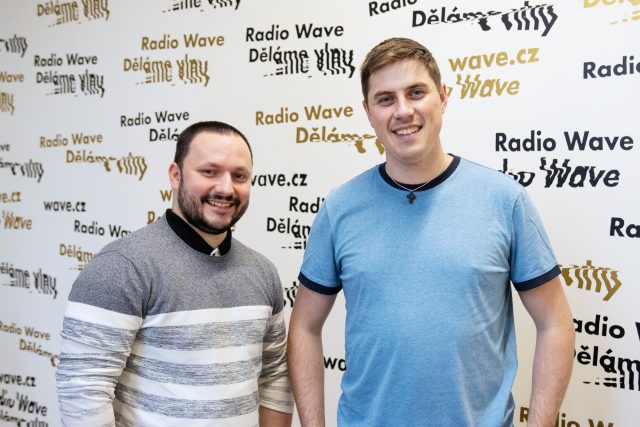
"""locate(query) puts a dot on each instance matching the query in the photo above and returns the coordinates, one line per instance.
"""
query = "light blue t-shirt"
(430, 338)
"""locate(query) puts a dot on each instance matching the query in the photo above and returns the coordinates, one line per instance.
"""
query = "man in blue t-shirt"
(425, 247)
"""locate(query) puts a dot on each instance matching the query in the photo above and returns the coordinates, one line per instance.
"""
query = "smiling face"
(213, 184)
(405, 108)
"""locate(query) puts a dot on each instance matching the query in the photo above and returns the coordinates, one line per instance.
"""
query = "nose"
(404, 108)
(224, 185)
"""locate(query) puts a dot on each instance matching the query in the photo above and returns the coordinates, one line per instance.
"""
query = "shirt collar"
(419, 187)
(193, 239)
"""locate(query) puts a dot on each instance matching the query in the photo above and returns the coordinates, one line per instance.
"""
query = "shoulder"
(485, 181)
(259, 270)
(130, 257)
(358, 182)
(248, 257)
(476, 170)
(143, 241)
(354, 192)
(118, 278)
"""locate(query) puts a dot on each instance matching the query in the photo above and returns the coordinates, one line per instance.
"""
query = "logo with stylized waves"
(593, 279)
(527, 18)
(132, 165)
(14, 45)
(68, 12)
(290, 294)
(177, 5)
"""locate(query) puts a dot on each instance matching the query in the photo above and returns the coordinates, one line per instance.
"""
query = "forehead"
(217, 147)
(398, 75)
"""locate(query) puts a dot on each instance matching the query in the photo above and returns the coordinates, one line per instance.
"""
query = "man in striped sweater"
(178, 323)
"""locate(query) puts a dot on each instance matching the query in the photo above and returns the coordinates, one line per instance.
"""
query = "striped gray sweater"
(157, 333)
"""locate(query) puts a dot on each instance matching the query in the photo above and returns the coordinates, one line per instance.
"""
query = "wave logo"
(69, 12)
(624, 373)
(14, 44)
(527, 18)
(132, 165)
(290, 294)
(28, 169)
(6, 103)
(177, 5)
(96, 9)
(592, 279)
(193, 71)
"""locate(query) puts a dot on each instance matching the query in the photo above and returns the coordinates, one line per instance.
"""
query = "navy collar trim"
(437, 181)
(193, 239)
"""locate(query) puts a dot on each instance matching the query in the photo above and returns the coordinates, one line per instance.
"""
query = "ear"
(443, 97)
(366, 110)
(175, 175)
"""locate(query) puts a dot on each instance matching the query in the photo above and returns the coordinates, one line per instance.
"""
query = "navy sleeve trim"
(537, 281)
(316, 287)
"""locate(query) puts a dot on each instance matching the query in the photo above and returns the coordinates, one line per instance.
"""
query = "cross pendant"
(411, 197)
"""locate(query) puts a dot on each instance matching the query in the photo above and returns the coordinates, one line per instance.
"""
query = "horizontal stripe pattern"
(208, 335)
(96, 335)
(218, 391)
(209, 374)
(126, 417)
(100, 316)
(187, 408)
(207, 367)
(195, 317)
(220, 355)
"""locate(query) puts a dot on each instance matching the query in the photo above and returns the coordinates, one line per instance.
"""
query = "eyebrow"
(218, 166)
(408, 88)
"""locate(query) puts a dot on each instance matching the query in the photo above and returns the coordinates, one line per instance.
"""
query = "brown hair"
(394, 50)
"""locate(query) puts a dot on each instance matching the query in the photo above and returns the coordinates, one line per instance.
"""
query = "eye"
(240, 176)
(384, 100)
(417, 93)
(208, 172)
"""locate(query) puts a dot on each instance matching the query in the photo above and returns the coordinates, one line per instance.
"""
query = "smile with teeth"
(220, 203)
(407, 131)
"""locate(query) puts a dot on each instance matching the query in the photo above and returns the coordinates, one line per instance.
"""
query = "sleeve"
(532, 260)
(273, 385)
(319, 271)
(97, 333)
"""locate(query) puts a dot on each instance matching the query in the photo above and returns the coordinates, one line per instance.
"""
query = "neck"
(420, 172)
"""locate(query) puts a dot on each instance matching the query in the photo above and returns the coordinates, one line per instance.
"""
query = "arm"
(276, 402)
(306, 367)
(95, 346)
(273, 418)
(553, 359)
(96, 339)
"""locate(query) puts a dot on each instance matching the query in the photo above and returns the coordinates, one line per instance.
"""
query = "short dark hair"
(395, 50)
(187, 135)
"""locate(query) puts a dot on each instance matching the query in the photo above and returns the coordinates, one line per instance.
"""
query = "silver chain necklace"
(411, 196)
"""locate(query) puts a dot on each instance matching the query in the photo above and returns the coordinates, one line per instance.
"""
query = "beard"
(192, 210)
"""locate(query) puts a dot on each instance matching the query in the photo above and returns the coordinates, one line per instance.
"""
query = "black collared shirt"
(193, 239)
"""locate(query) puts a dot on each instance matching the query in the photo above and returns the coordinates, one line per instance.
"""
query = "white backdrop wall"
(94, 92)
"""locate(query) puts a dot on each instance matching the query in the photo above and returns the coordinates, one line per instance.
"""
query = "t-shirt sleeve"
(532, 260)
(319, 271)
